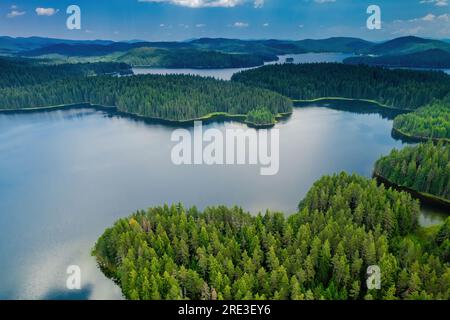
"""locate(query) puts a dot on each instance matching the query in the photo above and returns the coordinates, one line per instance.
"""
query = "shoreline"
(213, 116)
(210, 117)
(413, 138)
(422, 196)
(352, 99)
(59, 107)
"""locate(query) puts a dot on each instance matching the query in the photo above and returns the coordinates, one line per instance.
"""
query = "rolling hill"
(95, 49)
(222, 53)
(433, 58)
(407, 45)
(13, 45)
(337, 44)
(188, 58)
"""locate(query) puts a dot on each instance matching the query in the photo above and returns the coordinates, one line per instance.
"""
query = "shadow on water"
(66, 294)
(355, 106)
(364, 107)
(403, 138)
(433, 210)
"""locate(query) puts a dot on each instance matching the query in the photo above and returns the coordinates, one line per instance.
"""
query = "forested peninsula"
(345, 224)
(168, 97)
(432, 121)
(424, 168)
(402, 89)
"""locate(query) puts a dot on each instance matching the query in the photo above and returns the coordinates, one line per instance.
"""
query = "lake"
(67, 175)
(226, 74)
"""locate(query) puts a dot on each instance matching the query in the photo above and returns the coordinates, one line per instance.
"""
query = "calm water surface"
(65, 176)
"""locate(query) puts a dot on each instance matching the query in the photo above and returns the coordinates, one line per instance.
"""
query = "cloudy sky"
(245, 19)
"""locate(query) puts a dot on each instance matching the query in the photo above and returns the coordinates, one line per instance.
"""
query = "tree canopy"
(345, 224)
(424, 168)
(432, 121)
(23, 72)
(403, 89)
(169, 97)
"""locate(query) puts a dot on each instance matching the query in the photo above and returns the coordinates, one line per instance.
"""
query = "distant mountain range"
(406, 50)
(15, 45)
(269, 48)
(188, 58)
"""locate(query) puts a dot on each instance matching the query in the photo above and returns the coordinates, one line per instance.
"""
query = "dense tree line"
(26, 83)
(424, 168)
(345, 224)
(404, 89)
(21, 72)
(189, 58)
(172, 97)
(432, 121)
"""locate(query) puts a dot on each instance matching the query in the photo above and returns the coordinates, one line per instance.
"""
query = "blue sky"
(245, 19)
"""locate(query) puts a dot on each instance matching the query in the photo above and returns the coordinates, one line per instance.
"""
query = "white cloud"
(429, 17)
(265, 25)
(430, 25)
(208, 3)
(259, 3)
(442, 3)
(408, 31)
(241, 24)
(15, 13)
(324, 1)
(438, 3)
(200, 25)
(46, 11)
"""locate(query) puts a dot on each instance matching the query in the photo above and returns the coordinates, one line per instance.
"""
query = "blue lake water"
(65, 176)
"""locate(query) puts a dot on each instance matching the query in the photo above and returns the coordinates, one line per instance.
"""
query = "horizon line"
(215, 38)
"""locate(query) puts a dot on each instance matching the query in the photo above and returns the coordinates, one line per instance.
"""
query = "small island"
(260, 118)
(289, 60)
